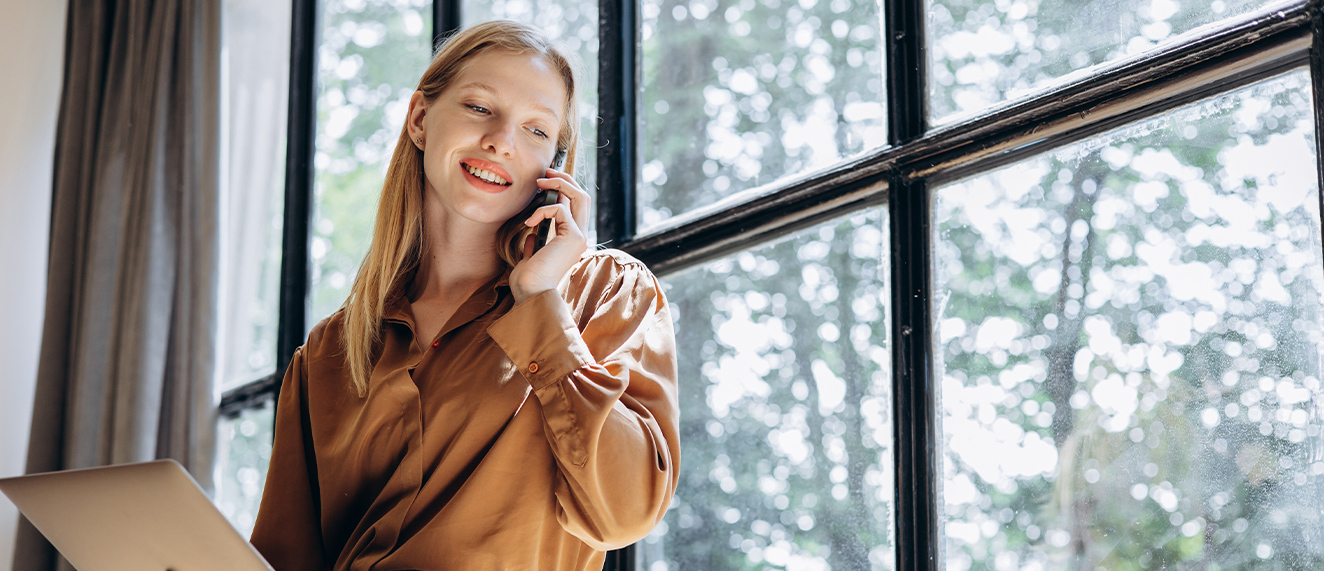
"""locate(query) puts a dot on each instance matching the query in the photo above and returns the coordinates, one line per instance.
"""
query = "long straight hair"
(397, 238)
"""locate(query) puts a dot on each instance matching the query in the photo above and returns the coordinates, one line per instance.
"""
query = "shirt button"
(533, 367)
(436, 343)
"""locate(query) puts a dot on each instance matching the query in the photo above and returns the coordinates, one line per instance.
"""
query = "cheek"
(524, 201)
(437, 169)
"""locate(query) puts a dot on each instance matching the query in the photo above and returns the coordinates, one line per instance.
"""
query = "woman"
(476, 404)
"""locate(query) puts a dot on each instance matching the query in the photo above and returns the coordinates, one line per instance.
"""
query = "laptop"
(150, 516)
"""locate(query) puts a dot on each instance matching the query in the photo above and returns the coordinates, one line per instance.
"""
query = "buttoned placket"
(466, 313)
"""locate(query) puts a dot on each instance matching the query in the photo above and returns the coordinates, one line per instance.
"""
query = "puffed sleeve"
(607, 386)
(287, 531)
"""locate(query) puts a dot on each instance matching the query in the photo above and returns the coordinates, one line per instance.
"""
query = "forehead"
(521, 79)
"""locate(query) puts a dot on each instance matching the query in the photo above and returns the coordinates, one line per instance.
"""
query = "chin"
(482, 207)
(488, 213)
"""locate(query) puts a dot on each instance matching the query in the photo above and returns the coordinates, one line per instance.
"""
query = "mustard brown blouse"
(523, 437)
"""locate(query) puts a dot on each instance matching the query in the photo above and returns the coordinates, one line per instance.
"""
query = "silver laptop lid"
(133, 517)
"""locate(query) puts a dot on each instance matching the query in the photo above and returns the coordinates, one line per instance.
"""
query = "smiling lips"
(484, 173)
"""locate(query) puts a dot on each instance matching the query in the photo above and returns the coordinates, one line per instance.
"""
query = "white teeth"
(486, 175)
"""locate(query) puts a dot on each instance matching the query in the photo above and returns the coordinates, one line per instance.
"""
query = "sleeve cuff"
(541, 339)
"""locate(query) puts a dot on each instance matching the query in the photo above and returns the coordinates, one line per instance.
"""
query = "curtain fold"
(128, 348)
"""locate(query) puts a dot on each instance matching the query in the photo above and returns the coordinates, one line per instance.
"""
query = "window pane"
(740, 93)
(1130, 329)
(573, 25)
(245, 451)
(785, 407)
(256, 79)
(372, 55)
(985, 51)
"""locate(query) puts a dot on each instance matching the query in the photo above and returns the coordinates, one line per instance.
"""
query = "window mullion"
(252, 394)
(913, 389)
(618, 85)
(1317, 90)
(294, 263)
(912, 374)
(446, 18)
(907, 112)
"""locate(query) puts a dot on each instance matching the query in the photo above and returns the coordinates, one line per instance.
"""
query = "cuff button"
(533, 367)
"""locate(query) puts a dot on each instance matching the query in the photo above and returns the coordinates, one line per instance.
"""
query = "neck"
(458, 253)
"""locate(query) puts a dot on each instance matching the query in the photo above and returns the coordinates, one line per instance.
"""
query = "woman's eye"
(478, 109)
(538, 132)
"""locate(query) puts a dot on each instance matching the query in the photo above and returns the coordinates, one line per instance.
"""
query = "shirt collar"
(396, 307)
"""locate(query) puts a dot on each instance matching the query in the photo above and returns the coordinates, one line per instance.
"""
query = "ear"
(414, 122)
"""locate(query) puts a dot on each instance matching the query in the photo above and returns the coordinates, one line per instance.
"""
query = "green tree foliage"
(1130, 332)
(371, 56)
(786, 419)
(982, 52)
(740, 93)
(786, 413)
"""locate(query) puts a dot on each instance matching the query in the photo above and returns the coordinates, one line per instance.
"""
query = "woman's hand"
(541, 271)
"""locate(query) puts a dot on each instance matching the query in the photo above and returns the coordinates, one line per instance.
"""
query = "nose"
(500, 138)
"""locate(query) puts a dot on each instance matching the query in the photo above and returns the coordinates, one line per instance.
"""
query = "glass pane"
(255, 53)
(372, 55)
(740, 93)
(242, 459)
(785, 407)
(573, 25)
(985, 51)
(1130, 329)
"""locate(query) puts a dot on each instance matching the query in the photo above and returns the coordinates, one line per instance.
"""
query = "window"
(960, 284)
(983, 52)
(255, 84)
(369, 60)
(1129, 344)
(738, 95)
(786, 411)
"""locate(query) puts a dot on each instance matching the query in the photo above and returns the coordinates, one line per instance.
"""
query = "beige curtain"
(127, 352)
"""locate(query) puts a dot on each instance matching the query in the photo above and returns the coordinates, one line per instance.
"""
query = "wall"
(31, 65)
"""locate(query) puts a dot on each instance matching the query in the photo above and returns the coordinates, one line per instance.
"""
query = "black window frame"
(1229, 56)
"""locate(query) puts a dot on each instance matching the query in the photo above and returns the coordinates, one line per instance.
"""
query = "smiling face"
(490, 135)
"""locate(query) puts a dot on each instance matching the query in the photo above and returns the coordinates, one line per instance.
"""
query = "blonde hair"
(397, 237)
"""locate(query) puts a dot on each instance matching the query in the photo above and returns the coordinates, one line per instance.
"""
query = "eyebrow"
(488, 88)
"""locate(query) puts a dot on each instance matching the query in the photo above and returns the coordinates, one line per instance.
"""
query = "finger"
(573, 185)
(563, 227)
(529, 242)
(559, 174)
(564, 183)
(570, 193)
(579, 212)
(581, 204)
(559, 213)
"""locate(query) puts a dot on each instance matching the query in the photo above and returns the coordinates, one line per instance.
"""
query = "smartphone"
(549, 198)
(545, 227)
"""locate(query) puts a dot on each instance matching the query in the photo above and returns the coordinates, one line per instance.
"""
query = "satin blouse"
(530, 436)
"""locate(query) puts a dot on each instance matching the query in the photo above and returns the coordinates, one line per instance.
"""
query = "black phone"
(550, 197)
